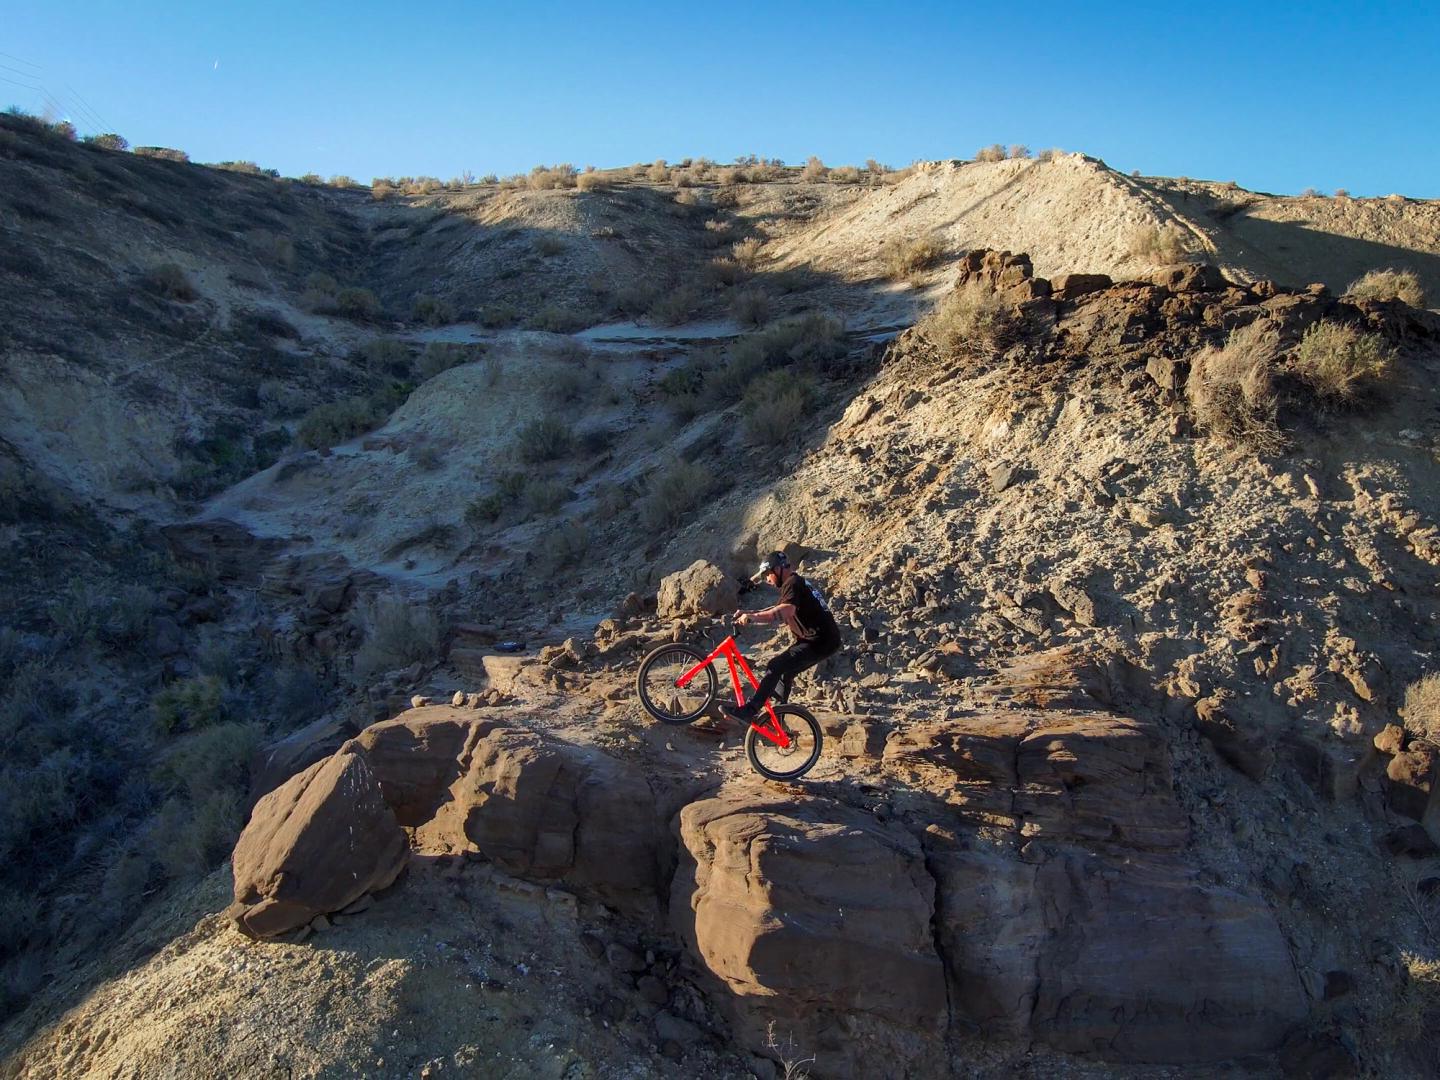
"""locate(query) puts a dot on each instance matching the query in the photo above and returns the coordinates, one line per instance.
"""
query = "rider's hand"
(741, 619)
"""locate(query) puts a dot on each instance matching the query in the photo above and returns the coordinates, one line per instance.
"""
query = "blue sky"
(1278, 97)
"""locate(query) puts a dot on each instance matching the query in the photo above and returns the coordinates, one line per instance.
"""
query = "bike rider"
(801, 609)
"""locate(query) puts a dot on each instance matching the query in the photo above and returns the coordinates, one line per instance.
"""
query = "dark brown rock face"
(817, 918)
(317, 843)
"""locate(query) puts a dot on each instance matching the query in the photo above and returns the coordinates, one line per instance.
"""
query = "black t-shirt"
(813, 617)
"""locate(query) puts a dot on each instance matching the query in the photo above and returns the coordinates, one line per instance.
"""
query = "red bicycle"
(677, 685)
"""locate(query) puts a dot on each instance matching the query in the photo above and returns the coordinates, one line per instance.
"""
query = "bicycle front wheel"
(786, 762)
(660, 694)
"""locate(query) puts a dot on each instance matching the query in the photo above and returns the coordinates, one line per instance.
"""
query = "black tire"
(794, 761)
(663, 666)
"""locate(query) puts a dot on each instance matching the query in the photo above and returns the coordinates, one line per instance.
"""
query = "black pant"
(782, 669)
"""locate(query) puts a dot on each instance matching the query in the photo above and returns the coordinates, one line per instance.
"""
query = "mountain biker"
(802, 609)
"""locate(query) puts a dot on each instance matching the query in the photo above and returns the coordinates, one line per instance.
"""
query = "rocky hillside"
(1134, 585)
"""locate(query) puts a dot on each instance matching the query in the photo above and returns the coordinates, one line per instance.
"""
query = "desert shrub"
(1340, 364)
(750, 307)
(277, 399)
(192, 838)
(427, 458)
(775, 407)
(484, 509)
(1389, 285)
(972, 319)
(164, 153)
(682, 380)
(545, 439)
(572, 384)
(64, 129)
(108, 141)
(814, 170)
(1232, 391)
(726, 272)
(592, 181)
(674, 491)
(1421, 710)
(385, 356)
(634, 299)
(1159, 243)
(498, 314)
(170, 281)
(993, 152)
(336, 422)
(381, 189)
(396, 633)
(684, 180)
(21, 917)
(727, 197)
(215, 758)
(545, 497)
(431, 310)
(548, 246)
(747, 252)
(297, 696)
(544, 177)
(845, 174)
(1017, 151)
(558, 320)
(658, 173)
(356, 303)
(903, 259)
(677, 305)
(564, 548)
(311, 179)
(190, 704)
(718, 233)
(1049, 154)
(443, 355)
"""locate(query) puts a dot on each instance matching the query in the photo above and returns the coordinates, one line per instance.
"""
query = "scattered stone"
(1168, 372)
(1000, 477)
(459, 699)
(592, 944)
(419, 701)
(623, 958)
(652, 990)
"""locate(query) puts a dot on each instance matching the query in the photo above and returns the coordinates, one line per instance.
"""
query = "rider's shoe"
(743, 713)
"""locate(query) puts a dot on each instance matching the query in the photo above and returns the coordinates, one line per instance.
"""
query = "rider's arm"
(779, 613)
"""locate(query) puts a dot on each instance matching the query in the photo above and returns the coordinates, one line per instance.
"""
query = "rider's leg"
(801, 655)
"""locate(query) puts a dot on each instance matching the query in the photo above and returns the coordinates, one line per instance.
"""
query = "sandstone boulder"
(817, 918)
(702, 588)
(1410, 779)
(542, 809)
(314, 845)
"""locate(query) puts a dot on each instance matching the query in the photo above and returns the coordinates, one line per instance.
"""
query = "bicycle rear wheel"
(786, 762)
(659, 694)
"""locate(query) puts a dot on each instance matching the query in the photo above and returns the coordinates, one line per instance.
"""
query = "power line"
(20, 60)
(104, 124)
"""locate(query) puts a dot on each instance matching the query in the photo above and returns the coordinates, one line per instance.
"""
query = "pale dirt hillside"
(966, 512)
(1072, 213)
(968, 516)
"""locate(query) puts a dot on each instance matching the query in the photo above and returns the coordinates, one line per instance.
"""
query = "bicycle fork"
(735, 662)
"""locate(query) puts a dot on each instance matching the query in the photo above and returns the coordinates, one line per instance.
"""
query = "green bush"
(192, 838)
(497, 315)
(190, 704)
(440, 356)
(546, 497)
(776, 407)
(677, 305)
(1158, 243)
(546, 439)
(216, 758)
(396, 633)
(558, 320)
(356, 303)
(673, 492)
(339, 421)
(750, 308)
(564, 548)
(386, 356)
(431, 310)
(1340, 364)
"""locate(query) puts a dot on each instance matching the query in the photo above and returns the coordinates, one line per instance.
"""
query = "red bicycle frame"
(736, 662)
